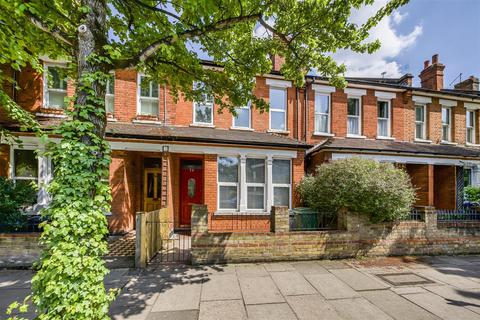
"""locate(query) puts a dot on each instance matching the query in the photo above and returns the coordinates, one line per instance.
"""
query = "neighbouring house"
(168, 154)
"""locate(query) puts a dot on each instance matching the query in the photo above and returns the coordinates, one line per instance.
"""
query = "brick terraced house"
(175, 154)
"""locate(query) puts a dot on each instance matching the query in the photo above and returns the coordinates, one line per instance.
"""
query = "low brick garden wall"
(356, 237)
(18, 249)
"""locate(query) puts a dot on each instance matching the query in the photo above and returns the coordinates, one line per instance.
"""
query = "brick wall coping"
(20, 235)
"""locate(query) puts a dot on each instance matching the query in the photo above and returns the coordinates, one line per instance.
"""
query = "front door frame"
(157, 201)
(181, 159)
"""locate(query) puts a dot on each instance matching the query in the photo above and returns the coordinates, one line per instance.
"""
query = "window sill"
(238, 213)
(111, 119)
(448, 143)
(323, 134)
(469, 144)
(202, 125)
(385, 138)
(241, 128)
(422, 141)
(278, 131)
(146, 121)
(54, 114)
(355, 136)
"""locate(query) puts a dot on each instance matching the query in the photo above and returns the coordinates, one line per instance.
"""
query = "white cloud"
(383, 60)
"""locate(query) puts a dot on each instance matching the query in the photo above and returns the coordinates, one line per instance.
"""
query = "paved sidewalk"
(384, 288)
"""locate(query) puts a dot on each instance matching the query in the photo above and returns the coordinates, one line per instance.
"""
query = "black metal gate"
(174, 248)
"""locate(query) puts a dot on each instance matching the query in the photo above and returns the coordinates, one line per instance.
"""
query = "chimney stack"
(470, 84)
(432, 74)
(277, 62)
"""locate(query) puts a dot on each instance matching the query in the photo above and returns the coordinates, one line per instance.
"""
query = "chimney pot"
(432, 75)
(435, 58)
(426, 63)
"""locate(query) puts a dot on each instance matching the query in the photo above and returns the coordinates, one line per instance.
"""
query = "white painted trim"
(421, 99)
(360, 118)
(389, 119)
(352, 92)
(385, 95)
(228, 184)
(424, 122)
(470, 105)
(323, 89)
(285, 111)
(46, 95)
(405, 159)
(448, 103)
(329, 114)
(139, 108)
(278, 83)
(249, 108)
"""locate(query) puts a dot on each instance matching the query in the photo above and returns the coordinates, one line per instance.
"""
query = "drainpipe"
(305, 105)
(164, 104)
(296, 132)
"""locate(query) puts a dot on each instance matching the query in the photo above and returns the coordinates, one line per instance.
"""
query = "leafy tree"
(472, 193)
(157, 38)
(378, 190)
(14, 197)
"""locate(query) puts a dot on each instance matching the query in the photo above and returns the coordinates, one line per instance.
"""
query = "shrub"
(472, 194)
(14, 198)
(379, 190)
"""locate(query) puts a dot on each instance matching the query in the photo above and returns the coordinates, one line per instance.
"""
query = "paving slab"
(179, 296)
(440, 307)
(292, 283)
(330, 286)
(396, 306)
(453, 277)
(251, 270)
(358, 308)
(468, 298)
(129, 312)
(276, 311)
(174, 315)
(333, 264)
(408, 289)
(258, 290)
(309, 267)
(279, 267)
(15, 279)
(312, 307)
(222, 310)
(221, 287)
(358, 280)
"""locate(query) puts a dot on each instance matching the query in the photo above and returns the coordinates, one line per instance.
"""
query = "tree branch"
(274, 31)
(55, 32)
(146, 6)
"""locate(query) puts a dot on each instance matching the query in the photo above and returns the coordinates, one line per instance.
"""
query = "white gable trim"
(279, 83)
(421, 99)
(322, 88)
(355, 92)
(471, 106)
(448, 103)
(385, 95)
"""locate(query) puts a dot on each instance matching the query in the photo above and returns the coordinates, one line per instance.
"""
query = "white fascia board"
(323, 88)
(355, 92)
(385, 95)
(471, 105)
(421, 99)
(448, 103)
(279, 83)
(406, 159)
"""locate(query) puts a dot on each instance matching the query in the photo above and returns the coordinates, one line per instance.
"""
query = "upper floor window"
(110, 95)
(56, 88)
(203, 110)
(278, 109)
(420, 128)
(242, 120)
(354, 116)
(228, 183)
(467, 177)
(281, 182)
(255, 183)
(470, 117)
(322, 113)
(25, 166)
(148, 97)
(383, 118)
(446, 124)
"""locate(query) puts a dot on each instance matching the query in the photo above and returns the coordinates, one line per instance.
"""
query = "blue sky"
(418, 30)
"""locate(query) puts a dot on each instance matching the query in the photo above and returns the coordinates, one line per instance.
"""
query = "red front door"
(191, 188)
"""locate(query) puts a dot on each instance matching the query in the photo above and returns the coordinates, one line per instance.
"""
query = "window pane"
(419, 116)
(144, 87)
(281, 171)
(154, 89)
(255, 171)
(281, 196)
(203, 113)
(57, 78)
(353, 107)
(26, 164)
(470, 118)
(158, 178)
(56, 99)
(278, 98)
(445, 115)
(446, 133)
(353, 125)
(227, 169)
(321, 103)
(111, 85)
(149, 107)
(419, 131)
(467, 177)
(382, 109)
(109, 103)
(383, 127)
(470, 135)
(150, 185)
(277, 119)
(321, 123)
(243, 118)
(255, 198)
(228, 197)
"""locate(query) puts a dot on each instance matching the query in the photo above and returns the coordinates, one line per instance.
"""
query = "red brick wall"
(125, 105)
(4, 159)
(339, 114)
(434, 121)
(459, 133)
(369, 115)
(445, 187)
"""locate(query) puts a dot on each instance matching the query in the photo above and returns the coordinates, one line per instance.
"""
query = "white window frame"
(253, 184)
(284, 111)
(110, 95)
(46, 89)
(467, 126)
(449, 138)
(283, 185)
(194, 107)
(249, 108)
(424, 122)
(228, 184)
(359, 117)
(140, 97)
(389, 119)
(328, 114)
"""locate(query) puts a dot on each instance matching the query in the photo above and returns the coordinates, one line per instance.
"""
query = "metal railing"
(31, 224)
(312, 221)
(466, 217)
(415, 214)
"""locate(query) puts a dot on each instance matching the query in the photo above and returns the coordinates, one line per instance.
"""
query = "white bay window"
(255, 184)
(281, 182)
(228, 183)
